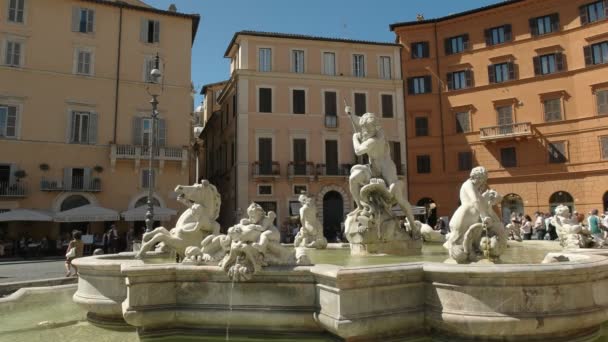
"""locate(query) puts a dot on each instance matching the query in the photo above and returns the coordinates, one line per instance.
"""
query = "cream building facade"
(279, 126)
(74, 110)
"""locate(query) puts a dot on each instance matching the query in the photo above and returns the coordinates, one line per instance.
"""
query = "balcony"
(300, 169)
(265, 169)
(12, 190)
(75, 184)
(137, 153)
(331, 121)
(515, 130)
(341, 170)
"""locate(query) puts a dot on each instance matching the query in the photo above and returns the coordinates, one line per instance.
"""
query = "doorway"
(333, 213)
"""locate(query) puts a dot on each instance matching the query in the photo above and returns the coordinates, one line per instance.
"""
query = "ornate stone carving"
(476, 229)
(311, 232)
(431, 235)
(570, 233)
(197, 222)
(249, 245)
(375, 187)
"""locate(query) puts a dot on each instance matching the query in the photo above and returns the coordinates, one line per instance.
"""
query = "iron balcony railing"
(142, 152)
(76, 183)
(300, 168)
(329, 170)
(265, 168)
(18, 189)
(331, 121)
(505, 131)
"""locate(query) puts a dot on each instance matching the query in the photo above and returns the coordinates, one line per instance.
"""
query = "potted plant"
(20, 174)
(98, 168)
(44, 167)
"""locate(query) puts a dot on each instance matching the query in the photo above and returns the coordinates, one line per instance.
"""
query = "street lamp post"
(154, 75)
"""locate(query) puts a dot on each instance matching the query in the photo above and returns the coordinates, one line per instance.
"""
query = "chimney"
(172, 8)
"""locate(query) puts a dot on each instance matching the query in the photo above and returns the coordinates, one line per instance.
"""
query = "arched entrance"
(333, 212)
(511, 203)
(66, 228)
(561, 197)
(430, 208)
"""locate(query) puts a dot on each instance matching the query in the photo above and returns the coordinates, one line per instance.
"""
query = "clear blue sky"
(352, 19)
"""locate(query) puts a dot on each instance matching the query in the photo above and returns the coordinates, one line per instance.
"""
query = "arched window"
(561, 197)
(74, 201)
(144, 201)
(511, 203)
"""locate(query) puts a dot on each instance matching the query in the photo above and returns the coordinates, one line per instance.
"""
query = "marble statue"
(513, 229)
(476, 229)
(372, 227)
(197, 222)
(311, 232)
(570, 233)
(431, 235)
(249, 245)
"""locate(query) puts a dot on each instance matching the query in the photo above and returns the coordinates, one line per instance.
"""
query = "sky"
(351, 19)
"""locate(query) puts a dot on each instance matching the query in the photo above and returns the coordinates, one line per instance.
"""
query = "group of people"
(524, 227)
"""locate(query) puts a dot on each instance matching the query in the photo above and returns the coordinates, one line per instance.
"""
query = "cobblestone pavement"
(12, 271)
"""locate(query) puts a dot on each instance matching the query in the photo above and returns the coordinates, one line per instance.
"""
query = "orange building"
(519, 87)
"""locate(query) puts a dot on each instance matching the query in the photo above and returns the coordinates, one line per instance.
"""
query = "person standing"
(78, 251)
(594, 224)
(539, 225)
(550, 227)
(113, 239)
(526, 228)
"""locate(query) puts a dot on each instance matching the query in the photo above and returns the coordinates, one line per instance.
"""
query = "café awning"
(139, 213)
(26, 215)
(87, 213)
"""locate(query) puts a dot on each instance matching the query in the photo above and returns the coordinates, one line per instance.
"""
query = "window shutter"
(588, 55)
(508, 33)
(9, 53)
(162, 133)
(560, 61)
(143, 33)
(491, 74)
(450, 78)
(330, 103)
(428, 88)
(555, 22)
(536, 62)
(448, 46)
(67, 178)
(410, 85)
(533, 27)
(465, 41)
(11, 121)
(468, 74)
(86, 182)
(426, 51)
(93, 128)
(413, 50)
(511, 67)
(488, 34)
(71, 126)
(91, 21)
(75, 19)
(11, 177)
(157, 31)
(582, 13)
(137, 138)
(387, 106)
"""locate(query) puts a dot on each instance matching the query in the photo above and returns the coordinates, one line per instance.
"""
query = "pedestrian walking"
(526, 228)
(75, 250)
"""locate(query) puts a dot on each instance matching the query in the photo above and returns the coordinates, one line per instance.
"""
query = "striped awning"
(26, 215)
(139, 213)
(87, 213)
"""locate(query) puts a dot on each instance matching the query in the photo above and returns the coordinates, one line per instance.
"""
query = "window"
(593, 12)
(16, 10)
(331, 157)
(83, 20)
(300, 189)
(502, 72)
(596, 53)
(329, 63)
(142, 131)
(557, 152)
(299, 101)
(420, 50)
(423, 164)
(83, 128)
(84, 61)
(13, 53)
(553, 109)
(504, 115)
(498, 35)
(604, 147)
(331, 108)
(548, 64)
(602, 101)
(146, 131)
(387, 105)
(395, 148)
(145, 178)
(265, 100)
(422, 126)
(419, 85)
(149, 65)
(265, 156)
(358, 65)
(297, 61)
(265, 190)
(456, 44)
(8, 121)
(508, 157)
(265, 62)
(465, 161)
(360, 104)
(299, 156)
(463, 124)
(150, 31)
(460, 79)
(385, 67)
(544, 25)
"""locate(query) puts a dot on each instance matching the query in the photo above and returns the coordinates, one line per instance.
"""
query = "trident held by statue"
(350, 115)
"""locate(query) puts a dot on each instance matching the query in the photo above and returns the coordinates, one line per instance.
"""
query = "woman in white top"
(526, 228)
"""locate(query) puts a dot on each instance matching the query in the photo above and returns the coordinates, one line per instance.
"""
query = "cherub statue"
(570, 233)
(311, 233)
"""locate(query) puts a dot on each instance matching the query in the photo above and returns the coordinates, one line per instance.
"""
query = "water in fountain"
(230, 310)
